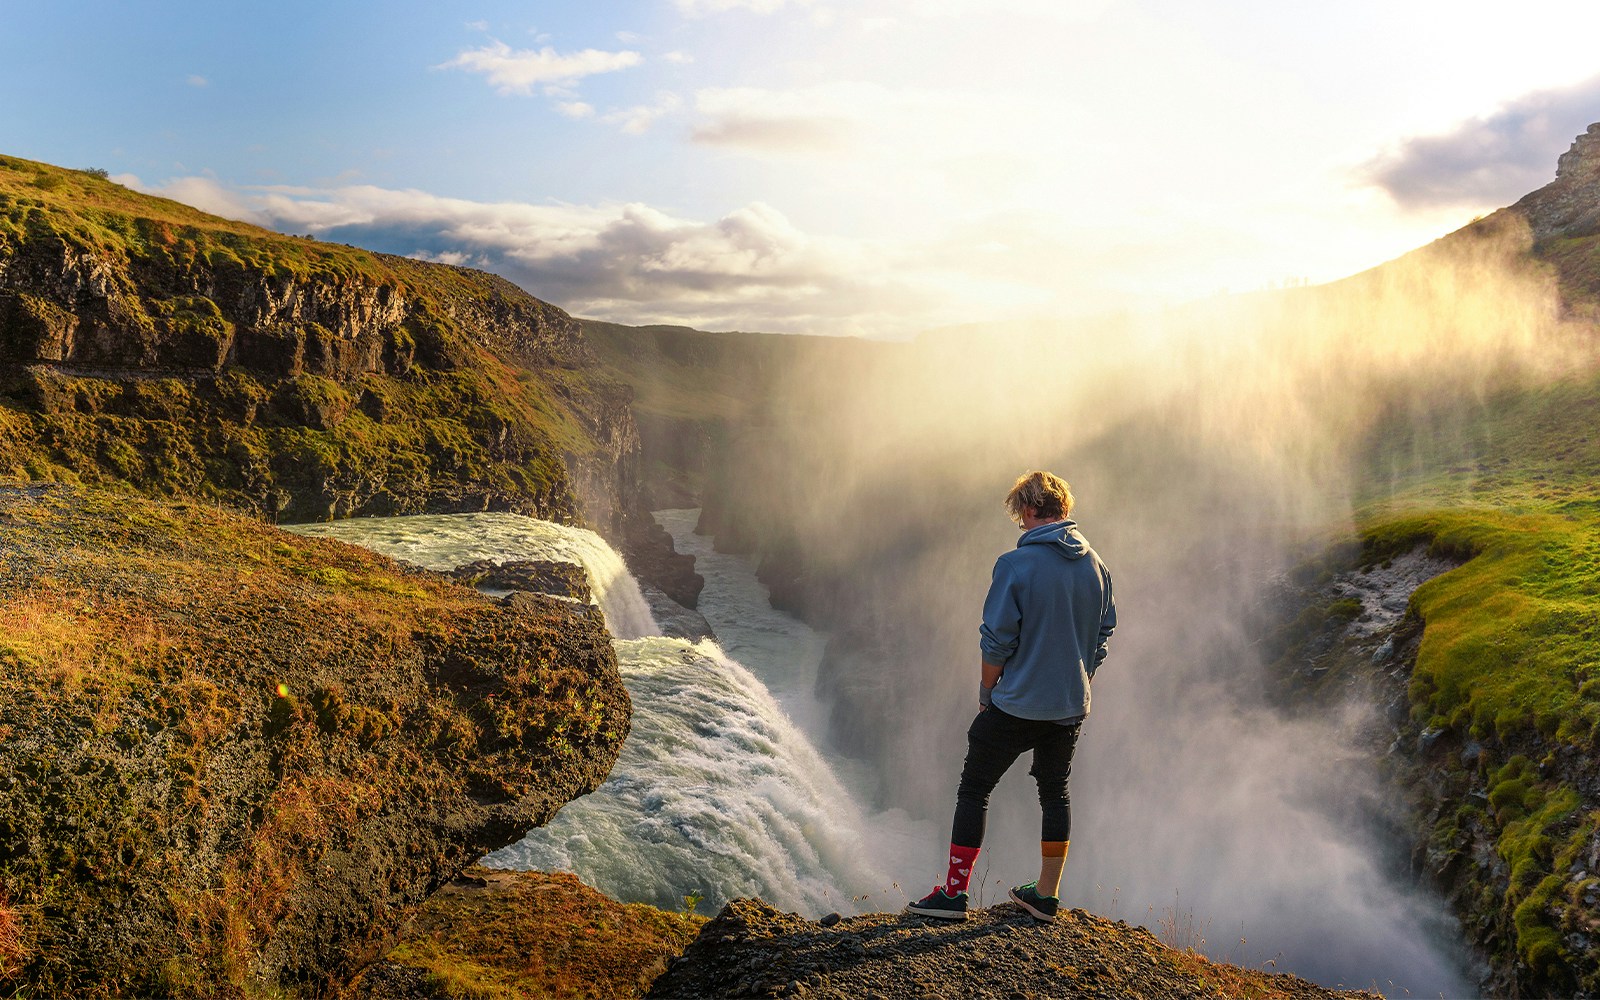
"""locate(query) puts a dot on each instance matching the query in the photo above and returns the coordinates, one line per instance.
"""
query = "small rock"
(1427, 739)
(830, 920)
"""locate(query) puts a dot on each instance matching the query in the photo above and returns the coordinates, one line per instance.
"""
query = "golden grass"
(542, 935)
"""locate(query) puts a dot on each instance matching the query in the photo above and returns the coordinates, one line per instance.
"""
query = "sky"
(873, 167)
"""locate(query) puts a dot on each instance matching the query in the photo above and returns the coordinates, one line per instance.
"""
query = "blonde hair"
(1044, 493)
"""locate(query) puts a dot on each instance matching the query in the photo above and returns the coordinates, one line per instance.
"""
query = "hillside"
(147, 344)
(694, 392)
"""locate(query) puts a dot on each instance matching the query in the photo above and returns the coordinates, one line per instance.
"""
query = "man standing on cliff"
(1045, 625)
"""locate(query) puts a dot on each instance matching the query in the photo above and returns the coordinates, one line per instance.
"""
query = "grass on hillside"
(1511, 649)
(108, 216)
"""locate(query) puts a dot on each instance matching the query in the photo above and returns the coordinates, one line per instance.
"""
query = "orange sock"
(1052, 858)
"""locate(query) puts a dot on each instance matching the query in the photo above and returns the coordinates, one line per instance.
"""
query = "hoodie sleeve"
(1108, 624)
(1002, 617)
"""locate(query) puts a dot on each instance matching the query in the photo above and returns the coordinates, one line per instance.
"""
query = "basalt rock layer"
(147, 343)
(233, 759)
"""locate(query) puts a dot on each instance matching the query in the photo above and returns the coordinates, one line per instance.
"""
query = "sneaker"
(1042, 907)
(937, 904)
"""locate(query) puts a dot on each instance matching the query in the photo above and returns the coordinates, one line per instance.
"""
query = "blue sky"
(878, 167)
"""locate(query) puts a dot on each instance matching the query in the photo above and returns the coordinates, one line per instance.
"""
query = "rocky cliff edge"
(232, 759)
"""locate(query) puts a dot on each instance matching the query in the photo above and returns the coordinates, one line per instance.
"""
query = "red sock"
(961, 859)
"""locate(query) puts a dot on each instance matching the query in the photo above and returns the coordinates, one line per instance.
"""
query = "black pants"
(994, 742)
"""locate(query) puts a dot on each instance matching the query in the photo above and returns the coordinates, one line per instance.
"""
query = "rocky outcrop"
(233, 759)
(538, 576)
(651, 556)
(1568, 206)
(1563, 223)
(753, 950)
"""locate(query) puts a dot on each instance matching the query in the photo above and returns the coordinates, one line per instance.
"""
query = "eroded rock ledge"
(232, 759)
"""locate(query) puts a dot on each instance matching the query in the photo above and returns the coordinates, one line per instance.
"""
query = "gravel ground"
(753, 950)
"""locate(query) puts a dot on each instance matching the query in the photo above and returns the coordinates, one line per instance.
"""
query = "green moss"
(1508, 485)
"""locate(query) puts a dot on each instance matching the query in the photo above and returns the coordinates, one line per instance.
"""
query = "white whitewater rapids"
(716, 792)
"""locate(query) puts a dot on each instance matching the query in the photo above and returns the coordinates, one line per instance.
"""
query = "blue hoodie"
(1045, 623)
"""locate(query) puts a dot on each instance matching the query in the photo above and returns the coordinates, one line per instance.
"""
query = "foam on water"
(445, 541)
(716, 793)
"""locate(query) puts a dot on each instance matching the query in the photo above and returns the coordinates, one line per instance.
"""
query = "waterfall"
(716, 792)
(444, 541)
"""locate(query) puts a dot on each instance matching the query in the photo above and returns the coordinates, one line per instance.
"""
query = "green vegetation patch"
(1511, 638)
(1509, 485)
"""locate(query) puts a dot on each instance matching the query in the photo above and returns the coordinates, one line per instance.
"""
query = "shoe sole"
(1039, 915)
(939, 914)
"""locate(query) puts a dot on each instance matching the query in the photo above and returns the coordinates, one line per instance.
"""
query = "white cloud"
(678, 58)
(828, 118)
(638, 119)
(196, 80)
(518, 72)
(1490, 161)
(203, 193)
(820, 119)
(1055, 10)
(700, 8)
(575, 109)
(751, 269)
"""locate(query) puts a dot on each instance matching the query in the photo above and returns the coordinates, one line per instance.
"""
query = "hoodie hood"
(1062, 536)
